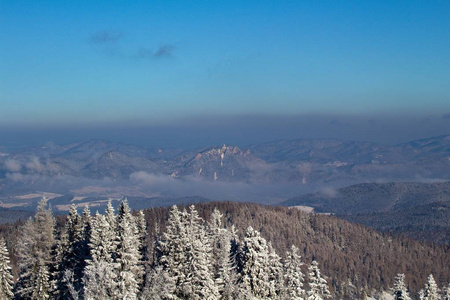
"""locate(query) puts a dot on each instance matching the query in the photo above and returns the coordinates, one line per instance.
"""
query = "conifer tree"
(399, 290)
(431, 290)
(255, 264)
(198, 280)
(87, 227)
(234, 288)
(71, 255)
(275, 273)
(111, 217)
(6, 278)
(129, 268)
(293, 275)
(141, 226)
(318, 288)
(34, 253)
(170, 248)
(220, 239)
(100, 276)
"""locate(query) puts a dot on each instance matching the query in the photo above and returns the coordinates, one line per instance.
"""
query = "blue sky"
(97, 62)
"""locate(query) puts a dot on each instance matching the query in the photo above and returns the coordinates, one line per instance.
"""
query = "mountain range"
(279, 161)
(266, 173)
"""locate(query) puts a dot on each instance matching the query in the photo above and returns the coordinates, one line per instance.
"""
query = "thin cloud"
(164, 51)
(34, 164)
(12, 165)
(105, 37)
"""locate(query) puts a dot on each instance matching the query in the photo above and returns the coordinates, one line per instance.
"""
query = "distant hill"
(419, 210)
(429, 222)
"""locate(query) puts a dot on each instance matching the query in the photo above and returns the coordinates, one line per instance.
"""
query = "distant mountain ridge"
(265, 173)
(320, 160)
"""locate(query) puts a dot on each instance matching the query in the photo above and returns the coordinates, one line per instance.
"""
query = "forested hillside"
(179, 251)
(346, 251)
(418, 210)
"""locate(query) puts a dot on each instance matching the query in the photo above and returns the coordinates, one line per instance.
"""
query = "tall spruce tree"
(129, 267)
(141, 227)
(111, 217)
(399, 291)
(431, 290)
(34, 253)
(275, 272)
(198, 279)
(100, 272)
(233, 288)
(220, 239)
(318, 288)
(255, 264)
(6, 278)
(293, 275)
(72, 253)
(170, 248)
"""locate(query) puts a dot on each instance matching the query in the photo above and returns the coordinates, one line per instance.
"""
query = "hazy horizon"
(241, 130)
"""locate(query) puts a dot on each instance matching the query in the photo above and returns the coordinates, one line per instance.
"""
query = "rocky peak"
(222, 152)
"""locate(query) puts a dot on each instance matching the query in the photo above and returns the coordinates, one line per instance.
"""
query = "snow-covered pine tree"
(431, 290)
(34, 253)
(71, 255)
(399, 291)
(198, 280)
(6, 278)
(318, 288)
(255, 264)
(275, 273)
(111, 217)
(293, 275)
(170, 247)
(234, 288)
(100, 274)
(87, 227)
(129, 267)
(220, 239)
(141, 226)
